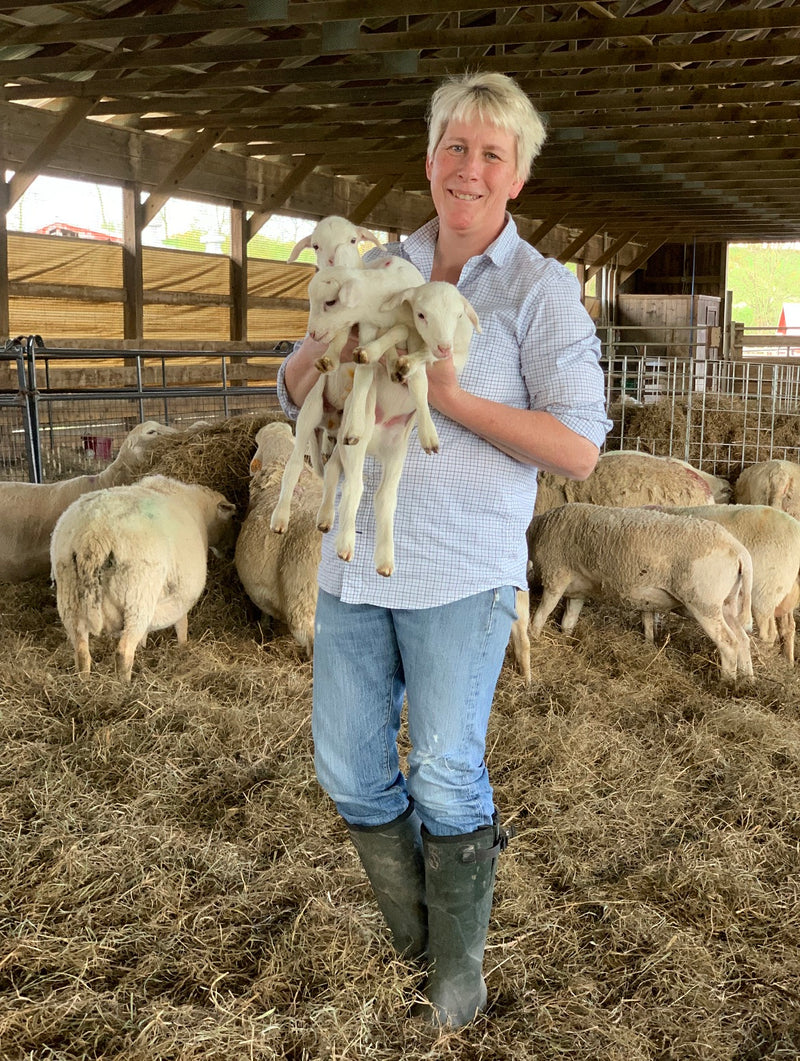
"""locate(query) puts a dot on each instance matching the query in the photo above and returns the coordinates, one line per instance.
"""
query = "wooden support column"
(238, 274)
(5, 311)
(132, 272)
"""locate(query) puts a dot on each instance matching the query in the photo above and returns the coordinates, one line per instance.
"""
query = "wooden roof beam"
(283, 192)
(30, 169)
(166, 188)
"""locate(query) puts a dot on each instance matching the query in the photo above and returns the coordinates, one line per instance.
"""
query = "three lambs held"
(131, 559)
(279, 572)
(436, 321)
(28, 511)
(649, 560)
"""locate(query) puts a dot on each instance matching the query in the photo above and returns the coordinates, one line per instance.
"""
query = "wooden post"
(5, 310)
(132, 273)
(238, 274)
(238, 286)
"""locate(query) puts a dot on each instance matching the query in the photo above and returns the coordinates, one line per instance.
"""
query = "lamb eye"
(421, 316)
(354, 240)
(330, 302)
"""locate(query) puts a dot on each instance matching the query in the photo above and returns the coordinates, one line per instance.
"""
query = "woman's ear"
(428, 166)
(515, 189)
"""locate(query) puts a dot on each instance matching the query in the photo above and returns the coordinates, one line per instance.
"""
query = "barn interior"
(174, 885)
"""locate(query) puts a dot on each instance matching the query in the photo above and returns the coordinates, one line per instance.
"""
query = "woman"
(531, 396)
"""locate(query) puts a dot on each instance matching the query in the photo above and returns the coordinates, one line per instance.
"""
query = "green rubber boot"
(392, 857)
(459, 881)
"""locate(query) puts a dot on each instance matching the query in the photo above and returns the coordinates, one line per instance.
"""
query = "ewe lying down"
(648, 560)
(131, 559)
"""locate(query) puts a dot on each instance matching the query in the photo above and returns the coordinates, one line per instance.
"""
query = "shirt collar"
(420, 245)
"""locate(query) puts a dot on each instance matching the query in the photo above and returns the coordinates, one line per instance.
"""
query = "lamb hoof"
(278, 525)
(385, 570)
(352, 440)
(323, 364)
(401, 371)
(360, 357)
(324, 526)
(346, 555)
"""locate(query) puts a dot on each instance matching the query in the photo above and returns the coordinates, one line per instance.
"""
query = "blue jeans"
(446, 660)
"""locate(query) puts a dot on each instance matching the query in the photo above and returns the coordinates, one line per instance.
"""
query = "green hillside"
(762, 276)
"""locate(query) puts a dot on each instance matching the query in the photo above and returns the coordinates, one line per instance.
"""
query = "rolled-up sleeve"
(560, 353)
(290, 409)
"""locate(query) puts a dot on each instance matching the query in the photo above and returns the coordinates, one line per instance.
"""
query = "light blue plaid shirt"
(462, 513)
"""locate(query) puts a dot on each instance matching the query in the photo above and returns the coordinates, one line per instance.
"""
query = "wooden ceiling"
(670, 120)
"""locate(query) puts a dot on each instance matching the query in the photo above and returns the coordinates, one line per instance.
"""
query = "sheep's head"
(273, 440)
(334, 297)
(135, 449)
(335, 241)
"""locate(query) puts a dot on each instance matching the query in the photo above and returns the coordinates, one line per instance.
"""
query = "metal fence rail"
(65, 412)
(720, 415)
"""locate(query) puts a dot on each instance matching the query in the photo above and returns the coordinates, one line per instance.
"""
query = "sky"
(99, 207)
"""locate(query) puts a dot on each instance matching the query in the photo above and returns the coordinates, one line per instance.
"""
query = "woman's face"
(472, 177)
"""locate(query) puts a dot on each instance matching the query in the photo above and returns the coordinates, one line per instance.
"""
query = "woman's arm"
(528, 435)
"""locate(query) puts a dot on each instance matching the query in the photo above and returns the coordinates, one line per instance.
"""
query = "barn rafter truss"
(673, 120)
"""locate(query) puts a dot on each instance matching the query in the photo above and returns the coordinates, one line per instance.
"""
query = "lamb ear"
(226, 510)
(348, 294)
(366, 236)
(472, 315)
(298, 248)
(395, 300)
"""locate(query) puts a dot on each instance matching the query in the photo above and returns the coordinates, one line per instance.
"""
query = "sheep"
(774, 482)
(520, 639)
(443, 322)
(649, 560)
(335, 241)
(29, 511)
(279, 572)
(342, 297)
(626, 480)
(130, 559)
(772, 538)
(720, 488)
(434, 321)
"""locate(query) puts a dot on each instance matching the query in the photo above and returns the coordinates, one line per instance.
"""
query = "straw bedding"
(175, 886)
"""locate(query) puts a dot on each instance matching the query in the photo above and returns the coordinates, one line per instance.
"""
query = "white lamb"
(775, 483)
(131, 559)
(627, 480)
(648, 560)
(28, 511)
(279, 572)
(334, 241)
(772, 538)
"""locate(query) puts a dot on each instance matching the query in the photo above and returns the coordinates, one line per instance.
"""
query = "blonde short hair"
(493, 98)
